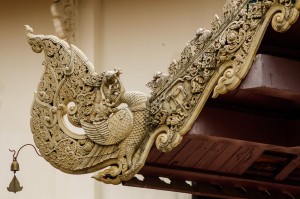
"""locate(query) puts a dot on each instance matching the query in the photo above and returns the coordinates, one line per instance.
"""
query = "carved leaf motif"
(198, 84)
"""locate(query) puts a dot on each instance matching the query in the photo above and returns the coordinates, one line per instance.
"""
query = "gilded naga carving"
(121, 126)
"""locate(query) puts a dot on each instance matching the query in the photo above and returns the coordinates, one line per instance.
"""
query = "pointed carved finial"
(29, 30)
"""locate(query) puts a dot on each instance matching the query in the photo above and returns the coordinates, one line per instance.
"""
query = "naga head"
(111, 77)
(112, 87)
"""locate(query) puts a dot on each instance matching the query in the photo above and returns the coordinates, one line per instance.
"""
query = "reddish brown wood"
(186, 152)
(202, 189)
(206, 190)
(211, 155)
(247, 161)
(268, 76)
(288, 169)
(167, 157)
(202, 149)
(209, 178)
(282, 44)
(242, 125)
(222, 159)
(153, 154)
(228, 166)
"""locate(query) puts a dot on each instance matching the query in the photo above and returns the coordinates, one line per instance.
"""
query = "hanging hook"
(16, 156)
(14, 152)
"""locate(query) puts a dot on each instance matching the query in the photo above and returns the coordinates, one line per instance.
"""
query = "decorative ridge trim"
(118, 139)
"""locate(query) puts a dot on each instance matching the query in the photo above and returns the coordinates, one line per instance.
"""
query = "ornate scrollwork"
(118, 138)
(70, 87)
(215, 60)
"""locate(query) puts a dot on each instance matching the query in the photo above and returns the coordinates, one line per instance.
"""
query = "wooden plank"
(198, 154)
(165, 158)
(207, 190)
(223, 158)
(286, 171)
(211, 155)
(271, 72)
(154, 154)
(222, 180)
(235, 159)
(282, 44)
(185, 153)
(202, 189)
(247, 161)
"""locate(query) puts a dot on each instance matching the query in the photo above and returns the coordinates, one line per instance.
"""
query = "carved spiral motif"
(288, 15)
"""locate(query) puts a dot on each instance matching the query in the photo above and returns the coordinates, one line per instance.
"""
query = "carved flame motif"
(118, 139)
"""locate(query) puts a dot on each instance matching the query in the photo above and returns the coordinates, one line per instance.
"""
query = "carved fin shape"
(98, 155)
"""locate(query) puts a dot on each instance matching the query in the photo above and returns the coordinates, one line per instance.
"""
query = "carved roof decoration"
(63, 12)
(118, 139)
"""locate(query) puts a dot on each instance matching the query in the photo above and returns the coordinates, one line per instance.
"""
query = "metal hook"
(14, 152)
(16, 156)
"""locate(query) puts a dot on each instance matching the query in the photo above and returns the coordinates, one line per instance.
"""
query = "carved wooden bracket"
(118, 139)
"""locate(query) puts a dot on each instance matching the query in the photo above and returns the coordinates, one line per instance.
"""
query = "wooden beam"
(268, 76)
(288, 169)
(219, 179)
(207, 190)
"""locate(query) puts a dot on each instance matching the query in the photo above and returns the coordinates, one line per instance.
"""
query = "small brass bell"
(14, 166)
